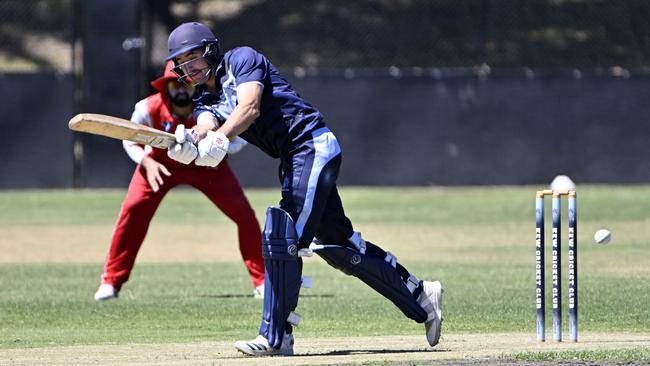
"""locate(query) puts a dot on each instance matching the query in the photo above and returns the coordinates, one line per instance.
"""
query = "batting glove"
(212, 149)
(185, 149)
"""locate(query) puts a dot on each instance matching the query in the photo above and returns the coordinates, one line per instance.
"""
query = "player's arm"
(140, 116)
(154, 170)
(249, 68)
(215, 140)
(249, 97)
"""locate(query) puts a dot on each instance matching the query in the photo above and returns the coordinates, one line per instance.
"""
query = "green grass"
(478, 241)
(619, 356)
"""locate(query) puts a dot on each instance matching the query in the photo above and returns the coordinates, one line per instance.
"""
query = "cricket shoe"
(260, 347)
(258, 292)
(431, 301)
(106, 292)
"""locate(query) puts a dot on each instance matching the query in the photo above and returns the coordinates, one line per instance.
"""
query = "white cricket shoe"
(258, 292)
(105, 292)
(431, 301)
(260, 347)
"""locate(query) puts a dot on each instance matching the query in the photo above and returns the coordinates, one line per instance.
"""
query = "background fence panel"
(419, 92)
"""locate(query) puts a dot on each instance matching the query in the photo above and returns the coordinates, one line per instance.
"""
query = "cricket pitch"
(483, 348)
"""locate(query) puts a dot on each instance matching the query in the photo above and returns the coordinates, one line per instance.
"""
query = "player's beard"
(182, 99)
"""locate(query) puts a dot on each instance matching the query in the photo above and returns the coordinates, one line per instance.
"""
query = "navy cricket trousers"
(308, 176)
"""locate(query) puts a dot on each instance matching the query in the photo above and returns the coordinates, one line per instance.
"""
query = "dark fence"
(523, 90)
(456, 128)
(37, 145)
(440, 33)
(110, 85)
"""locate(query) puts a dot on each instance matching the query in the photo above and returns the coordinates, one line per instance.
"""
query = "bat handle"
(180, 134)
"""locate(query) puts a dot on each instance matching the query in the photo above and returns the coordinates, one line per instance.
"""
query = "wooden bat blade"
(122, 129)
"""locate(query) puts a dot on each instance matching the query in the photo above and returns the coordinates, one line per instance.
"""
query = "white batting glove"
(212, 149)
(185, 149)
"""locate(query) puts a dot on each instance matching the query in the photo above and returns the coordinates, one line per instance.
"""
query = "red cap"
(160, 84)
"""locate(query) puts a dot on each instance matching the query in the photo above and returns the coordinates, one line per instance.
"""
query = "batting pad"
(282, 275)
(376, 273)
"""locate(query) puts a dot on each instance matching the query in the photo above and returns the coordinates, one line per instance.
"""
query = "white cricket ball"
(602, 236)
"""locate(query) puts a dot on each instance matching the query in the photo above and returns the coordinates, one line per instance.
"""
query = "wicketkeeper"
(156, 174)
(243, 94)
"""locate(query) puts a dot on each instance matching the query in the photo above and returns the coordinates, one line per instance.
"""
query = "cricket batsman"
(242, 94)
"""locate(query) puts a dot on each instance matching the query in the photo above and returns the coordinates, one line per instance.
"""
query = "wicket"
(557, 264)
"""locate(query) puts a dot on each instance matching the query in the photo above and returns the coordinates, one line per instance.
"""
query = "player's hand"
(154, 172)
(212, 149)
(185, 149)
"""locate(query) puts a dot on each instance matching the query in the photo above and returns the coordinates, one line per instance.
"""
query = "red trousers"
(222, 188)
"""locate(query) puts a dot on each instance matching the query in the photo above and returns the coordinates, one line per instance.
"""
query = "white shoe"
(431, 301)
(258, 292)
(105, 292)
(260, 347)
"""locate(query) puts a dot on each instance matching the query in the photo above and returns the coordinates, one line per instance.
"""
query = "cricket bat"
(118, 128)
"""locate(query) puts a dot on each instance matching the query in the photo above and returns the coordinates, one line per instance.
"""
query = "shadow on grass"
(351, 352)
(371, 351)
(241, 296)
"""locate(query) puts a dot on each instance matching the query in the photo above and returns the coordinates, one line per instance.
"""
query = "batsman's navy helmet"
(189, 36)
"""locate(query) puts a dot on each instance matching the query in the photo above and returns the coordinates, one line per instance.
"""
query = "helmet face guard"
(189, 37)
(195, 71)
